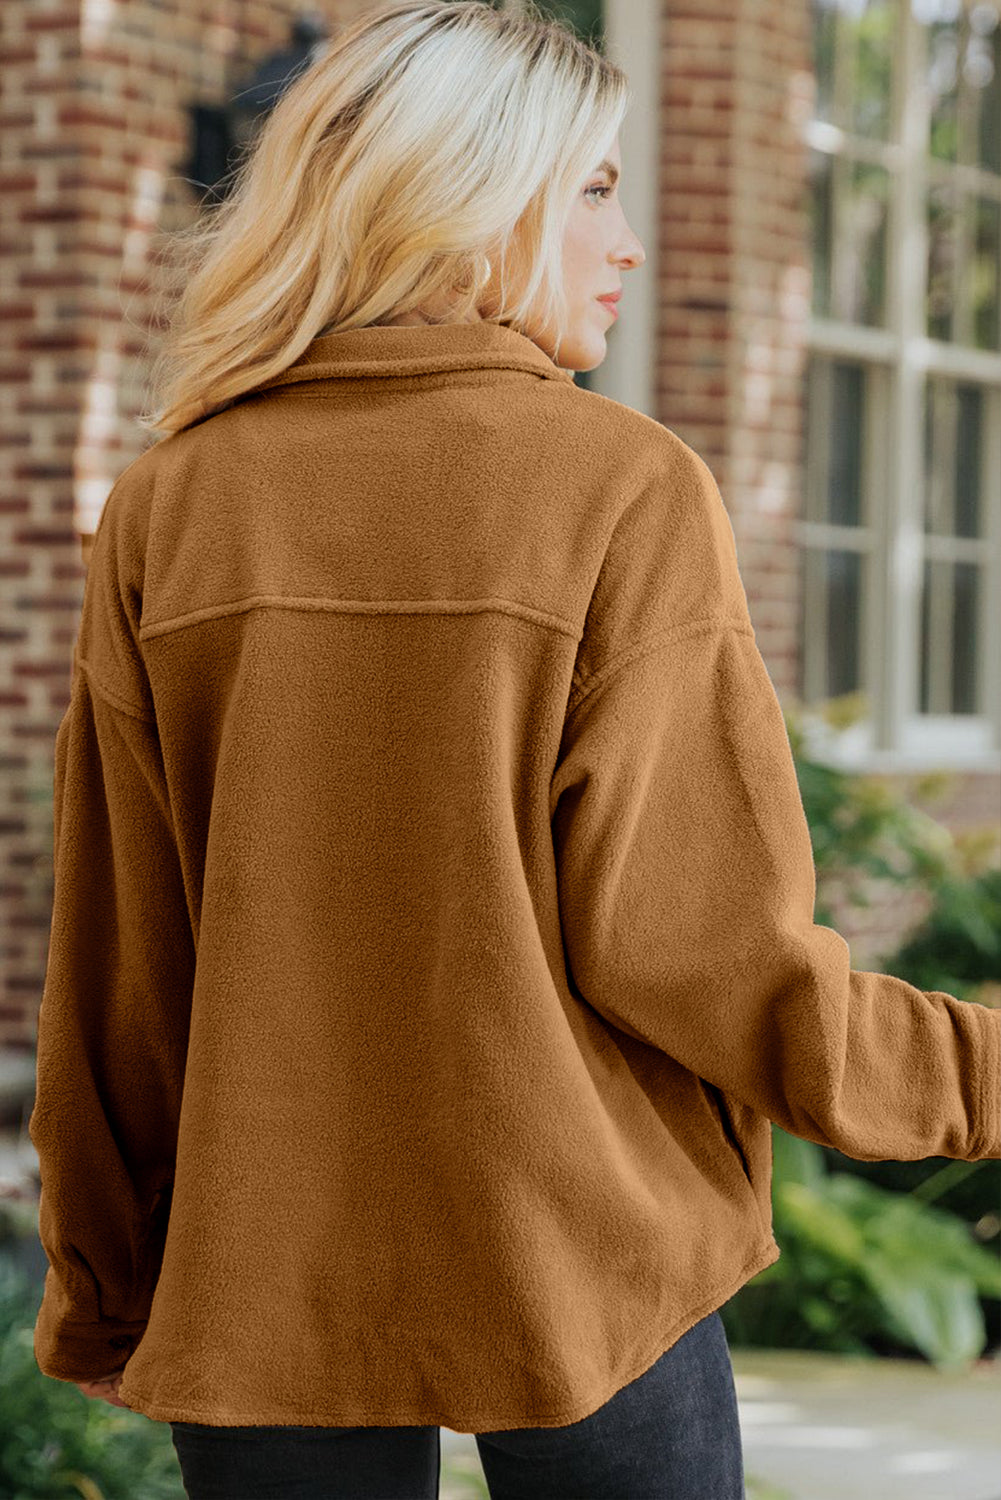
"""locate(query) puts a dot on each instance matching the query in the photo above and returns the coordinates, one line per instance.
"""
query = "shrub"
(55, 1442)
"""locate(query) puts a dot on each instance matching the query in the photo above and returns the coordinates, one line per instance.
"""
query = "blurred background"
(817, 184)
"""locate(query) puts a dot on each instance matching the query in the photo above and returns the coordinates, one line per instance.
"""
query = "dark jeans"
(671, 1434)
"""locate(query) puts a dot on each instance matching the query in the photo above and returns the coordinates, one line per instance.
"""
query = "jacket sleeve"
(686, 887)
(112, 1025)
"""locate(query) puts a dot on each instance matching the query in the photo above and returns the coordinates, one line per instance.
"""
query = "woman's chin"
(583, 353)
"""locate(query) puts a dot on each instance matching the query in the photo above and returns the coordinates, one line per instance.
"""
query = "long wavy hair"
(431, 142)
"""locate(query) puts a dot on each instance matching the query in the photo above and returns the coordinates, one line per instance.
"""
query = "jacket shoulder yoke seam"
(151, 628)
(584, 686)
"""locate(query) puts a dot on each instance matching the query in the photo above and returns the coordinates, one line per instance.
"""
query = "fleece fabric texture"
(432, 939)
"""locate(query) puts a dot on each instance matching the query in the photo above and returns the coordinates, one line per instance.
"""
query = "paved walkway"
(817, 1426)
(823, 1427)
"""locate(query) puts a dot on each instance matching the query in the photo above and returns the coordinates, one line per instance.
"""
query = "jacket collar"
(417, 349)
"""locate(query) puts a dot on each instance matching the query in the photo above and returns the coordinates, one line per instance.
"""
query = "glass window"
(902, 416)
(963, 76)
(848, 205)
(853, 43)
(954, 572)
(836, 438)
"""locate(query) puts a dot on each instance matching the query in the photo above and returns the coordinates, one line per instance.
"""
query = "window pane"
(953, 435)
(934, 644)
(834, 438)
(985, 24)
(820, 213)
(824, 40)
(949, 644)
(943, 82)
(964, 60)
(859, 282)
(969, 425)
(943, 247)
(938, 448)
(964, 641)
(955, 415)
(924, 683)
(842, 576)
(844, 488)
(985, 271)
(874, 42)
(853, 47)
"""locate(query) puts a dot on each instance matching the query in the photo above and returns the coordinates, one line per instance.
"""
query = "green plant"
(862, 827)
(957, 949)
(958, 946)
(867, 835)
(866, 829)
(860, 1262)
(58, 1444)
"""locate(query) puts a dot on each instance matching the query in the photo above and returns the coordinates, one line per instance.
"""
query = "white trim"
(931, 743)
(882, 345)
(633, 41)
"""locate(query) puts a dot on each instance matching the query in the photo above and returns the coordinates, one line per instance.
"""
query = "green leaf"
(905, 1229)
(821, 1222)
(938, 1312)
(795, 1160)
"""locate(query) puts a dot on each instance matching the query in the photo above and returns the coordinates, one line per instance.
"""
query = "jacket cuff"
(990, 1077)
(82, 1351)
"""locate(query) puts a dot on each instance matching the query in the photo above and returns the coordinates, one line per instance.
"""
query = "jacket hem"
(367, 1416)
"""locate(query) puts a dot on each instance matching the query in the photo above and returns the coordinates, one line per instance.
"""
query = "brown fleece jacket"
(433, 939)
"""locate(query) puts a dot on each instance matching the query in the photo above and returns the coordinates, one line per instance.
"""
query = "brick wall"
(94, 138)
(735, 280)
(93, 143)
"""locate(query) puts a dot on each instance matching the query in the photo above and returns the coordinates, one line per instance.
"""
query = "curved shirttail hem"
(766, 1255)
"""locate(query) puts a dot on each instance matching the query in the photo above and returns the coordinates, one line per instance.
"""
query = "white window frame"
(898, 358)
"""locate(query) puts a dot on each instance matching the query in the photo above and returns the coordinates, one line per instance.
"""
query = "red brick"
(38, 536)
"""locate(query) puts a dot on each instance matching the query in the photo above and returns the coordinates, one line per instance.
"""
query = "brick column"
(734, 280)
(94, 139)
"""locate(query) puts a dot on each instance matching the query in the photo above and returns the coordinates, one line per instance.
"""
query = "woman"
(433, 937)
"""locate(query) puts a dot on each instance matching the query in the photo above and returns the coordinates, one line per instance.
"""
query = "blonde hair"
(431, 137)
